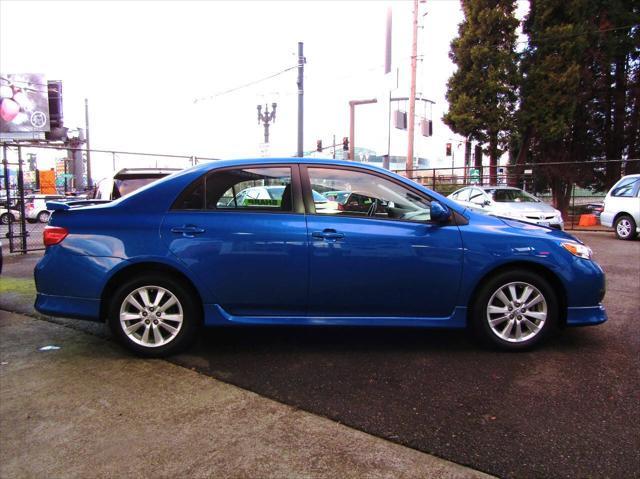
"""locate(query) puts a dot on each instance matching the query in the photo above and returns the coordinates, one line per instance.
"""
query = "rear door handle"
(328, 235)
(188, 231)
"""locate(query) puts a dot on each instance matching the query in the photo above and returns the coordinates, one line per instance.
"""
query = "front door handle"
(328, 235)
(188, 231)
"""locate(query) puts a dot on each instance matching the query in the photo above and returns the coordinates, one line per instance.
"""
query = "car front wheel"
(154, 316)
(515, 310)
(625, 227)
(7, 218)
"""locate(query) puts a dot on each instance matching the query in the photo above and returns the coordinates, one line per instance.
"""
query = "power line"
(245, 85)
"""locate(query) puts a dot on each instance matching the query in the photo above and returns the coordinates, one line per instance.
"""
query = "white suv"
(35, 208)
(622, 207)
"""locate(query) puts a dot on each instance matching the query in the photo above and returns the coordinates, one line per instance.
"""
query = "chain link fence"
(31, 174)
(23, 218)
(585, 197)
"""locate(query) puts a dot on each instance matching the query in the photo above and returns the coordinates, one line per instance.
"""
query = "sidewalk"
(91, 410)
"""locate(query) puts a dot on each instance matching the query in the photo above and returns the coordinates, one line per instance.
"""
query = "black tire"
(7, 218)
(43, 216)
(625, 227)
(519, 317)
(190, 308)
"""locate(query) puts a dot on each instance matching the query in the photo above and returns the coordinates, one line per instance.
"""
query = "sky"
(142, 65)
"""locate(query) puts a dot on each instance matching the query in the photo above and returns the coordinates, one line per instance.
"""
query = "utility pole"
(86, 129)
(266, 118)
(300, 83)
(387, 72)
(412, 95)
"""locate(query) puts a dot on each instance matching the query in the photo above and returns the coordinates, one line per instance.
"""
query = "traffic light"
(345, 143)
(319, 145)
(448, 149)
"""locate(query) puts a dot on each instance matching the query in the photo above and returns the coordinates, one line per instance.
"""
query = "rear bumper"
(68, 306)
(586, 316)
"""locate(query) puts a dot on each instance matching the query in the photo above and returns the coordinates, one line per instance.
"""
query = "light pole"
(266, 118)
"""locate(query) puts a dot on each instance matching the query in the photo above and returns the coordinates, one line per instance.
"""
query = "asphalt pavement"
(566, 409)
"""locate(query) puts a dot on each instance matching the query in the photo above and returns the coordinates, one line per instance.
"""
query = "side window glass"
(476, 196)
(625, 188)
(266, 188)
(463, 195)
(352, 193)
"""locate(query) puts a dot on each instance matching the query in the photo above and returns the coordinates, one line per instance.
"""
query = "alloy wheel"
(151, 316)
(624, 228)
(516, 312)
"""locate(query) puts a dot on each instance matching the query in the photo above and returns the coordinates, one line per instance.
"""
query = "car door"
(389, 261)
(252, 255)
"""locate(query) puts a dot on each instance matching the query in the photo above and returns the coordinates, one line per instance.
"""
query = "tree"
(576, 90)
(482, 93)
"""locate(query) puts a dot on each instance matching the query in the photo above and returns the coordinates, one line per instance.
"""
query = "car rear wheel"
(625, 227)
(515, 310)
(154, 315)
(6, 218)
(43, 216)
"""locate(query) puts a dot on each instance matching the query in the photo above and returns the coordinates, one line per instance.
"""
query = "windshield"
(128, 185)
(511, 196)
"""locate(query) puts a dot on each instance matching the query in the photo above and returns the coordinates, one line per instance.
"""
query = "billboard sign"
(24, 107)
(47, 182)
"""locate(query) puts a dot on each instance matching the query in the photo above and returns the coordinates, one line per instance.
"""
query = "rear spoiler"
(66, 205)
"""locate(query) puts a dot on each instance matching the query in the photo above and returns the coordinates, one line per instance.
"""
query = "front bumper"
(586, 316)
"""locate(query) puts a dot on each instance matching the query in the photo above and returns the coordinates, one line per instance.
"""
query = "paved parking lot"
(566, 409)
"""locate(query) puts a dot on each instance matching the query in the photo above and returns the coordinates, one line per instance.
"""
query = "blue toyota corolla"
(257, 242)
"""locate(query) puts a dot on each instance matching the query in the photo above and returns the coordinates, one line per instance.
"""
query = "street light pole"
(266, 118)
(86, 126)
(300, 83)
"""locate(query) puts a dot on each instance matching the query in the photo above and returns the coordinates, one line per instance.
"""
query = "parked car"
(622, 207)
(9, 215)
(161, 262)
(127, 180)
(35, 207)
(269, 195)
(509, 202)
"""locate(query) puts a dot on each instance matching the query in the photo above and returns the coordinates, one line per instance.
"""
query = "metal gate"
(67, 176)
(19, 232)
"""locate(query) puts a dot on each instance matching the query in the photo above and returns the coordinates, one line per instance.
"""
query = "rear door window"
(240, 189)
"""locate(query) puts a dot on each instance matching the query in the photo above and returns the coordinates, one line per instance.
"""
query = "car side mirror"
(486, 203)
(439, 212)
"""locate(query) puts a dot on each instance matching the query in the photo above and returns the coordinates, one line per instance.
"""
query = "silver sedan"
(509, 202)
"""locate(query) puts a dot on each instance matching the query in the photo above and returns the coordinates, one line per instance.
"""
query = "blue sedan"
(183, 252)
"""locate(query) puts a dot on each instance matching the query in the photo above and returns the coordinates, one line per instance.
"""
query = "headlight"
(579, 250)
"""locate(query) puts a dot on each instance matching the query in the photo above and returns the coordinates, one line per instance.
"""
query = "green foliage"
(482, 93)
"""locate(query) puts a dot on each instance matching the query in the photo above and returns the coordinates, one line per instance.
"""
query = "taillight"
(340, 207)
(53, 235)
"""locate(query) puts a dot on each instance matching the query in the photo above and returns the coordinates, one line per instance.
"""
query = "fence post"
(23, 226)
(7, 186)
(573, 205)
(433, 180)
